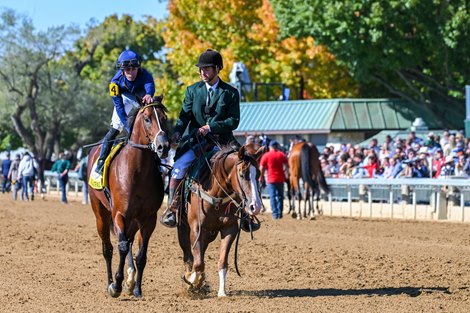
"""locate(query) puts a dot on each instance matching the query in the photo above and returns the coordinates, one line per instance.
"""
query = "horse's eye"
(147, 120)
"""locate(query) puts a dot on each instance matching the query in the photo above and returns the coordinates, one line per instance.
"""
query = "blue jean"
(276, 197)
(5, 184)
(27, 181)
(63, 186)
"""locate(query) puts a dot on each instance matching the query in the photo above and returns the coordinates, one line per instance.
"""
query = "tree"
(416, 50)
(247, 31)
(29, 79)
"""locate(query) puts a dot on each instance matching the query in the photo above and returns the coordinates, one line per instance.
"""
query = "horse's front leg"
(146, 230)
(198, 248)
(227, 236)
(131, 270)
(115, 289)
(129, 284)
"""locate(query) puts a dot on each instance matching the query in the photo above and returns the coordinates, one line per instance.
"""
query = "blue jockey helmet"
(128, 58)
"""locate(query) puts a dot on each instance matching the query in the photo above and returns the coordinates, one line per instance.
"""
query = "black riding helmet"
(210, 58)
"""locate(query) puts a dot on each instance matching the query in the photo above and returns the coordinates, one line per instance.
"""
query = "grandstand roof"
(324, 116)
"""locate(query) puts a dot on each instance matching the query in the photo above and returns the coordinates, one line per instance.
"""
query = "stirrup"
(168, 219)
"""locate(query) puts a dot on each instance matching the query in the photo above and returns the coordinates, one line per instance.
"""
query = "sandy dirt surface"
(51, 262)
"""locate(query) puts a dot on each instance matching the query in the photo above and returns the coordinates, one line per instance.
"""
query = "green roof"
(324, 116)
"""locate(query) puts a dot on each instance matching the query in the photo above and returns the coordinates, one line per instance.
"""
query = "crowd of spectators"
(433, 157)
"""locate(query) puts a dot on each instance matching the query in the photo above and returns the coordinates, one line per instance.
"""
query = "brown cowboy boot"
(168, 217)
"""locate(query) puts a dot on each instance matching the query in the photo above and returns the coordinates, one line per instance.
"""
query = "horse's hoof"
(137, 293)
(129, 287)
(221, 294)
(113, 292)
(294, 215)
(194, 280)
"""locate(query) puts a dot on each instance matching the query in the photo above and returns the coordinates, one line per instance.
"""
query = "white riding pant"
(130, 101)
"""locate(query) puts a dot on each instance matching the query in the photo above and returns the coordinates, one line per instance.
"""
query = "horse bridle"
(152, 144)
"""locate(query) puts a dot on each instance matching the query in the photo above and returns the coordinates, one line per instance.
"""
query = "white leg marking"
(222, 276)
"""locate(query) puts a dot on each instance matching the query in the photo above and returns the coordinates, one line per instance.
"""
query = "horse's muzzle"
(255, 208)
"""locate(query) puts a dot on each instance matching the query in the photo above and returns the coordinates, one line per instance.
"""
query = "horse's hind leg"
(299, 198)
(185, 244)
(103, 224)
(146, 231)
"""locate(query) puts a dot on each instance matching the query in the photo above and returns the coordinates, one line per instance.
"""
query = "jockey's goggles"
(129, 63)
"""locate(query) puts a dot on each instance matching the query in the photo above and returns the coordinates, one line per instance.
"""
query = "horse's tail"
(322, 182)
(320, 176)
(305, 167)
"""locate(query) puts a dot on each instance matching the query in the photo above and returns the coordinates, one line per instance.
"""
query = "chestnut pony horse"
(304, 163)
(136, 194)
(229, 190)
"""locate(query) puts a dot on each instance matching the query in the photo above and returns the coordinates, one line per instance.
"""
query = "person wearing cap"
(130, 83)
(275, 163)
(13, 176)
(210, 107)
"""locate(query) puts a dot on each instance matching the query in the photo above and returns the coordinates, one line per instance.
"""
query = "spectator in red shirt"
(275, 163)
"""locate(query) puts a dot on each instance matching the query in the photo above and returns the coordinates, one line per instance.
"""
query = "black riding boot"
(108, 141)
(168, 217)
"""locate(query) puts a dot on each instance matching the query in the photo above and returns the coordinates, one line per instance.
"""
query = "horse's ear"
(158, 98)
(241, 152)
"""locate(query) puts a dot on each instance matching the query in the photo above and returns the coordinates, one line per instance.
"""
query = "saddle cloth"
(97, 181)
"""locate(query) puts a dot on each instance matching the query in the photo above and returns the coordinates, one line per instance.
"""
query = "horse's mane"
(131, 117)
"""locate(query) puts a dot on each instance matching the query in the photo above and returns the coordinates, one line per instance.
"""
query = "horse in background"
(227, 190)
(304, 164)
(135, 194)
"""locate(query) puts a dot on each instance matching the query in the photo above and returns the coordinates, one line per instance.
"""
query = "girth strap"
(210, 199)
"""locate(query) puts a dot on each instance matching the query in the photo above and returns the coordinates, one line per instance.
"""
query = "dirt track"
(51, 262)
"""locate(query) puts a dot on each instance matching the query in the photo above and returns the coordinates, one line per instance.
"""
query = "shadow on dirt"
(300, 293)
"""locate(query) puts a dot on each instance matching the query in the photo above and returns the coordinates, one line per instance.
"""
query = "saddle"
(100, 182)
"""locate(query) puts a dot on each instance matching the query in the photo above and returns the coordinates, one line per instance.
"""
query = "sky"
(48, 13)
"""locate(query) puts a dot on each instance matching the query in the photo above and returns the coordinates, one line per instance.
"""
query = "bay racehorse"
(135, 195)
(215, 204)
(304, 164)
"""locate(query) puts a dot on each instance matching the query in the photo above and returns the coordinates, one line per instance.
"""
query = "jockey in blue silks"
(129, 83)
